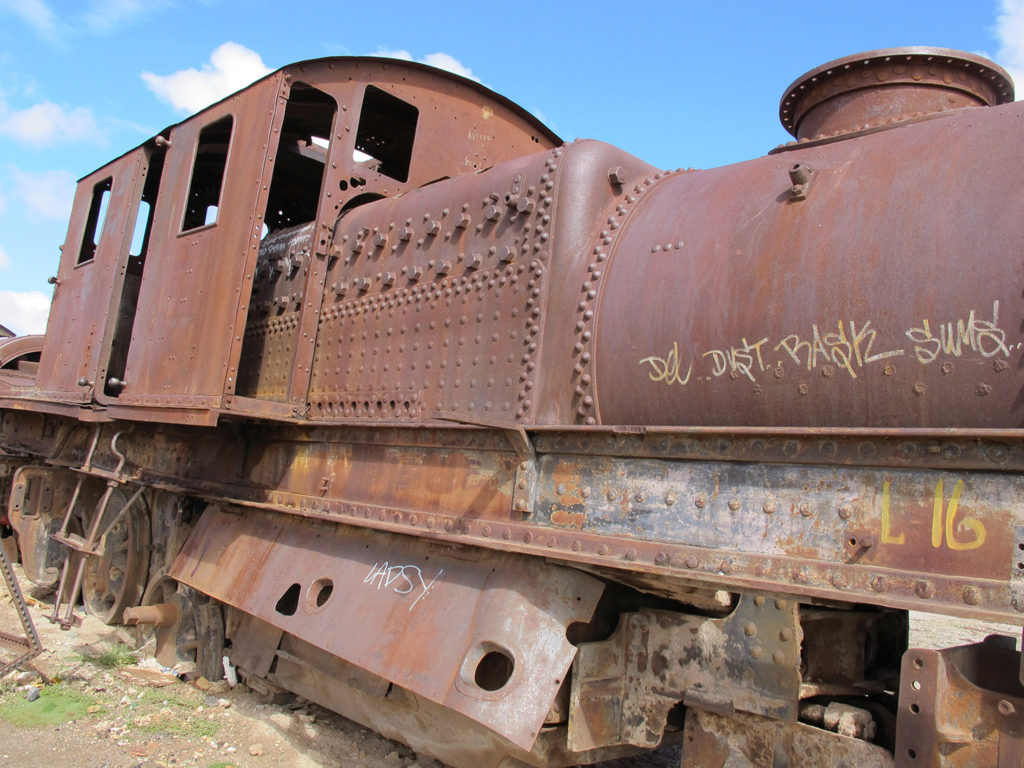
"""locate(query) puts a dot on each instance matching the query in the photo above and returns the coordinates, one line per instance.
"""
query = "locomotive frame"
(346, 381)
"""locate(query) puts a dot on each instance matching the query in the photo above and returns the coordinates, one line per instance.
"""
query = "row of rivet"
(715, 565)
(584, 398)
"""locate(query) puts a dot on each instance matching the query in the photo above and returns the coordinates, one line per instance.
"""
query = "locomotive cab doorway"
(110, 381)
(290, 243)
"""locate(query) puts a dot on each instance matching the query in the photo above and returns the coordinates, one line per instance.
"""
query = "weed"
(115, 657)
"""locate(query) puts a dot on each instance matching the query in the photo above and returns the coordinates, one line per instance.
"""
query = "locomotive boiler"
(528, 453)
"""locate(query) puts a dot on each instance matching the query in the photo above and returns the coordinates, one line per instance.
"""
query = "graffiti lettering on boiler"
(845, 346)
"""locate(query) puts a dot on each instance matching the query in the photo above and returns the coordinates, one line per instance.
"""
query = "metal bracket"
(29, 645)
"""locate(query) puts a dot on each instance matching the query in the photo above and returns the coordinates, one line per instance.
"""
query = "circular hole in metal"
(494, 670)
(319, 593)
(915, 709)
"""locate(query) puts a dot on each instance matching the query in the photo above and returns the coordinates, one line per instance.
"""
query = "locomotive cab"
(191, 256)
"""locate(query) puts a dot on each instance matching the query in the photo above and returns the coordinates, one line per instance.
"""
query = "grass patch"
(56, 705)
(173, 711)
(221, 764)
(115, 657)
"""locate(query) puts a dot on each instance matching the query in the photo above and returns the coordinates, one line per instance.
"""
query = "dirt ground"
(98, 706)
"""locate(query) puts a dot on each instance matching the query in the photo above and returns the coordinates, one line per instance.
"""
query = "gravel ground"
(100, 708)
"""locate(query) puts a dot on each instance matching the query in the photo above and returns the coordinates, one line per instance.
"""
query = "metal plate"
(479, 632)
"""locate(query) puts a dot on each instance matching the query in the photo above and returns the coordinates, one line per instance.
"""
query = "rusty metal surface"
(16, 356)
(929, 539)
(481, 633)
(428, 728)
(87, 282)
(28, 646)
(759, 310)
(880, 87)
(625, 687)
(712, 740)
(961, 707)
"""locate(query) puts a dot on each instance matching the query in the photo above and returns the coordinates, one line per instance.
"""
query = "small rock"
(256, 749)
(31, 692)
(230, 750)
(219, 686)
(223, 703)
(201, 683)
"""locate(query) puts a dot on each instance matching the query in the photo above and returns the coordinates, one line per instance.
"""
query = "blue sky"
(677, 84)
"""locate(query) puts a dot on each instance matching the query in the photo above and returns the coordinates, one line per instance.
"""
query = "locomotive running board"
(479, 632)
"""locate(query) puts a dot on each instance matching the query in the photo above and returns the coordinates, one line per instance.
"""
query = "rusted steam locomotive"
(530, 453)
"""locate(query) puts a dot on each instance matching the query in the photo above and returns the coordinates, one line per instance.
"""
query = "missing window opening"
(301, 158)
(94, 224)
(387, 129)
(208, 175)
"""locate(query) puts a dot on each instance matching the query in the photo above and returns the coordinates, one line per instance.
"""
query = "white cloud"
(104, 16)
(1010, 33)
(231, 66)
(443, 61)
(47, 123)
(38, 16)
(46, 195)
(24, 312)
(5, 260)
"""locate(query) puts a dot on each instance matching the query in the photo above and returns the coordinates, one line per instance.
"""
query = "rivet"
(757, 652)
(924, 590)
(750, 629)
(691, 561)
(734, 504)
(845, 511)
(661, 558)
(485, 531)
(778, 657)
(781, 604)
(576, 545)
(700, 501)
(768, 507)
(761, 570)
(971, 596)
(805, 509)
(602, 550)
(631, 554)
(759, 600)
(785, 634)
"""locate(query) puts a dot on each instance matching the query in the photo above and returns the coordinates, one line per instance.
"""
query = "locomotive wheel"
(187, 627)
(116, 578)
